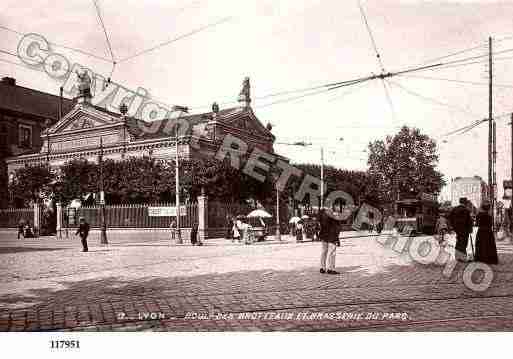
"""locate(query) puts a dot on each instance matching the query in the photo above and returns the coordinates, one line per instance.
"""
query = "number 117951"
(65, 344)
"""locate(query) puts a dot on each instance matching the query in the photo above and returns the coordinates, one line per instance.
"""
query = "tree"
(76, 179)
(31, 184)
(360, 185)
(405, 164)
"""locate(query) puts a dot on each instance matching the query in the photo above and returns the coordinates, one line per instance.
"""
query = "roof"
(161, 130)
(26, 100)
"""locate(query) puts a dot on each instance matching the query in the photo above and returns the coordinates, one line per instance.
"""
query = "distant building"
(24, 114)
(473, 188)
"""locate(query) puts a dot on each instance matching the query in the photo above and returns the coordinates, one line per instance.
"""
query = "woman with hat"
(486, 250)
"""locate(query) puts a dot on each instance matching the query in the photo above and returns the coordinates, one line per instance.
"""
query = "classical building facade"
(24, 114)
(88, 130)
(473, 188)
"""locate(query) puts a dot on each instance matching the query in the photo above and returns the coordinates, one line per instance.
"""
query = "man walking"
(172, 226)
(83, 231)
(461, 223)
(328, 235)
(21, 228)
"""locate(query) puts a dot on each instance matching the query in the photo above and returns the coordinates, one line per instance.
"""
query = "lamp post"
(177, 176)
(321, 205)
(305, 144)
(47, 125)
(103, 225)
(124, 109)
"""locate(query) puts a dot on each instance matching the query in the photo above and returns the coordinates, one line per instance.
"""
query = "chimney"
(11, 81)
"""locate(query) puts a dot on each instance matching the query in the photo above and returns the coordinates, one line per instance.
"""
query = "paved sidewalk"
(137, 283)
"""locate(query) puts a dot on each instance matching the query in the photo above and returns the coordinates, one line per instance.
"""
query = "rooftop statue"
(84, 86)
(245, 95)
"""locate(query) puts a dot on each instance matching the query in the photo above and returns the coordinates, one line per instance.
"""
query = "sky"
(286, 45)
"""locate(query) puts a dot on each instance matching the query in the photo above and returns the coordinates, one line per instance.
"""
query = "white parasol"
(294, 219)
(259, 213)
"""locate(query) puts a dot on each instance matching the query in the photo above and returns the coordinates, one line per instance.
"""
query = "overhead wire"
(165, 43)
(432, 100)
(453, 54)
(60, 45)
(326, 87)
(323, 90)
(456, 81)
(389, 99)
(380, 61)
(349, 91)
(104, 30)
(378, 56)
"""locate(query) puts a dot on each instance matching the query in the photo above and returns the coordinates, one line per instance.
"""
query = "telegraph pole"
(278, 233)
(511, 176)
(177, 189)
(103, 224)
(322, 178)
(494, 139)
(491, 188)
(177, 174)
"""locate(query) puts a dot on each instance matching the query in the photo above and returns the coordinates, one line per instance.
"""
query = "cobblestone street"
(145, 282)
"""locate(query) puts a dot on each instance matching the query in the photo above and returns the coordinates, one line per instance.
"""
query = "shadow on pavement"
(8, 250)
(100, 302)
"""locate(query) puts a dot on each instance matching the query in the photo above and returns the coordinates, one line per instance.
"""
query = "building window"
(25, 136)
(3, 135)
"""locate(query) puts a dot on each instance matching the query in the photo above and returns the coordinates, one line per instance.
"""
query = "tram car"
(417, 215)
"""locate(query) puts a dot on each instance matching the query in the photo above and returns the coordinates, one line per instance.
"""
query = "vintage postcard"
(255, 166)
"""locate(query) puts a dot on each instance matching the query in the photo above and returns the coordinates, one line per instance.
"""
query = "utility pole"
(48, 124)
(182, 109)
(494, 138)
(177, 189)
(491, 189)
(61, 89)
(278, 233)
(511, 175)
(103, 224)
(322, 178)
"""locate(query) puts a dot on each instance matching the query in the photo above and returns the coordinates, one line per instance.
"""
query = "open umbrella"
(294, 219)
(304, 216)
(259, 213)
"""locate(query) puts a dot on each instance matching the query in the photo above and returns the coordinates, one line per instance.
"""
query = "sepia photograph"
(285, 166)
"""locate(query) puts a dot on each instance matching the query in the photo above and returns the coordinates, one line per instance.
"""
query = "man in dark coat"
(83, 231)
(194, 234)
(461, 223)
(21, 228)
(328, 234)
(229, 228)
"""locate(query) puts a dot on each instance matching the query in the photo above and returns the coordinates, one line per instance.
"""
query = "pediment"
(83, 118)
(248, 122)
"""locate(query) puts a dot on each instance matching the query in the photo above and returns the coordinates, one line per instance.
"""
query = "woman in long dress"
(486, 250)
(237, 229)
(299, 231)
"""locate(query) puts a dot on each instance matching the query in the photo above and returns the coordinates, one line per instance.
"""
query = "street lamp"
(305, 144)
(47, 125)
(182, 109)
(103, 224)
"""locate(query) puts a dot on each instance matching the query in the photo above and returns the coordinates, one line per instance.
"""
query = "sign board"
(165, 211)
(72, 212)
(507, 184)
(81, 142)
